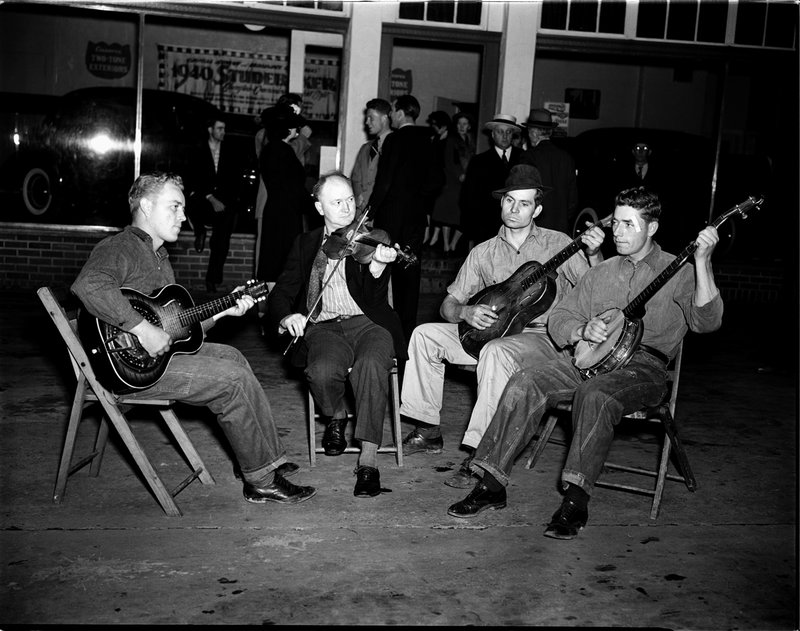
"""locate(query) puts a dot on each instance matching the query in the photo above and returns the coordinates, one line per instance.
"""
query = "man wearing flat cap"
(518, 241)
(486, 172)
(558, 172)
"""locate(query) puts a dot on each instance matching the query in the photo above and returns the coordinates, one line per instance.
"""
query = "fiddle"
(359, 241)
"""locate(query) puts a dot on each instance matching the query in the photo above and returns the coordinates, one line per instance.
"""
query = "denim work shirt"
(615, 283)
(495, 260)
(125, 259)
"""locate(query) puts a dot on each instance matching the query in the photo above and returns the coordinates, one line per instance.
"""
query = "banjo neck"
(635, 308)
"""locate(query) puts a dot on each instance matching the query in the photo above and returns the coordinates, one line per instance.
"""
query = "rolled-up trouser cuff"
(257, 475)
(568, 476)
(496, 473)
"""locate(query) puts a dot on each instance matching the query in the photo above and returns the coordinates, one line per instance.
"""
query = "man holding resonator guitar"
(602, 383)
(144, 337)
(495, 315)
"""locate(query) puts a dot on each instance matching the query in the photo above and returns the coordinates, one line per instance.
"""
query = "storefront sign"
(108, 61)
(401, 83)
(244, 82)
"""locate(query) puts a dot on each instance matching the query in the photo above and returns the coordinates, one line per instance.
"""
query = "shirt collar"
(534, 234)
(652, 258)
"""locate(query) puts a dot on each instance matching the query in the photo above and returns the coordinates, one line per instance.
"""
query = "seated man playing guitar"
(518, 244)
(216, 375)
(335, 304)
(690, 300)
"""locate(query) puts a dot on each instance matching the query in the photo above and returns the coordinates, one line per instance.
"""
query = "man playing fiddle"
(346, 329)
(518, 242)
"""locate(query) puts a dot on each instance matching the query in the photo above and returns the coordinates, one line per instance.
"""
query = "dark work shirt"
(125, 259)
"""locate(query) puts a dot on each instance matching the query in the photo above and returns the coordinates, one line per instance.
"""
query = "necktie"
(639, 170)
(315, 283)
(505, 158)
(374, 152)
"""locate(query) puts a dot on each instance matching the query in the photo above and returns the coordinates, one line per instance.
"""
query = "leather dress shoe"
(333, 441)
(463, 478)
(478, 500)
(286, 469)
(368, 482)
(416, 443)
(279, 490)
(567, 520)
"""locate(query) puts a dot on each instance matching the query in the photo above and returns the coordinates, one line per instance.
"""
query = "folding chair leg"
(671, 429)
(541, 443)
(312, 431)
(163, 496)
(100, 442)
(69, 441)
(186, 445)
(398, 430)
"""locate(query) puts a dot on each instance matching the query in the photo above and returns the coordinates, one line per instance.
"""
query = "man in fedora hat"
(518, 241)
(486, 172)
(690, 301)
(558, 172)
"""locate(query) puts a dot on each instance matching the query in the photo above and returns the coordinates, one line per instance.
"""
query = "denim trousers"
(436, 342)
(598, 404)
(357, 350)
(219, 376)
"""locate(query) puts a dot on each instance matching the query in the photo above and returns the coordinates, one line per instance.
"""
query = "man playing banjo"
(689, 300)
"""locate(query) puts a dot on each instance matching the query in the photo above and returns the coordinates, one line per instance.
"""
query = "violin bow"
(325, 282)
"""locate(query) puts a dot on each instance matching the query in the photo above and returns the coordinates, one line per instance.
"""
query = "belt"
(340, 318)
(655, 353)
(535, 325)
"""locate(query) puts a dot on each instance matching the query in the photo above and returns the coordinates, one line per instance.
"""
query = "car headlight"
(101, 143)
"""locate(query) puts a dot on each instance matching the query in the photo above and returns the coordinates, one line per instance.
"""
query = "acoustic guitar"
(523, 296)
(625, 326)
(119, 360)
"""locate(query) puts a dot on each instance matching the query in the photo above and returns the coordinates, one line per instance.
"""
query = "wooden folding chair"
(396, 448)
(664, 414)
(90, 391)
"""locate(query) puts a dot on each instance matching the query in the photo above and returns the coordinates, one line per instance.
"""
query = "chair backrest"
(67, 327)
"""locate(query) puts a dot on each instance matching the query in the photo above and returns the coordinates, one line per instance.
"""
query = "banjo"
(625, 326)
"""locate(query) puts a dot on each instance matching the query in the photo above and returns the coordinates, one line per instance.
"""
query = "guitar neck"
(207, 310)
(556, 262)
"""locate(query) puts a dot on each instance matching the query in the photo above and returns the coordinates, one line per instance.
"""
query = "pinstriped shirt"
(336, 298)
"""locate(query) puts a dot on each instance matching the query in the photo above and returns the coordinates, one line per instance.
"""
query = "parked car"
(78, 166)
(685, 165)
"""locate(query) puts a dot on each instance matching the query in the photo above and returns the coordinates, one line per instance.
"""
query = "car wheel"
(39, 192)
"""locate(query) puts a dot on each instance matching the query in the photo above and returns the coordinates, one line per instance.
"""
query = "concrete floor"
(724, 557)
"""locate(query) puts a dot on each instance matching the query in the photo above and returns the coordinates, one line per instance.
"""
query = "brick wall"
(33, 255)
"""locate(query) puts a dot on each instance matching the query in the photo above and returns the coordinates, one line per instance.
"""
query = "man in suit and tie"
(558, 172)
(406, 180)
(486, 173)
(346, 329)
(378, 124)
(212, 200)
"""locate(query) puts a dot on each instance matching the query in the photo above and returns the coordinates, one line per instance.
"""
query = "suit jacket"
(406, 181)
(223, 183)
(370, 294)
(480, 212)
(560, 205)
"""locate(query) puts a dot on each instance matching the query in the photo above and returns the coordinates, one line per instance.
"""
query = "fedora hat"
(521, 176)
(502, 119)
(282, 115)
(540, 118)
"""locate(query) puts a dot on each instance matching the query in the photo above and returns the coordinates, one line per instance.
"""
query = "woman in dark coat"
(287, 198)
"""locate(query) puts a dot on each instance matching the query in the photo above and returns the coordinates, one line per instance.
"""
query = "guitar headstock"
(740, 209)
(257, 289)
